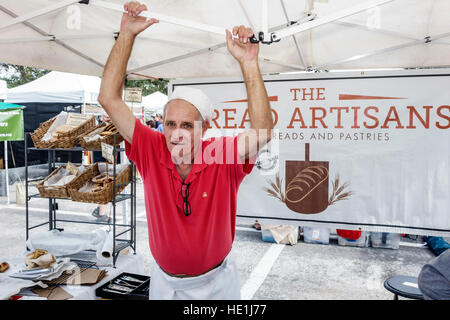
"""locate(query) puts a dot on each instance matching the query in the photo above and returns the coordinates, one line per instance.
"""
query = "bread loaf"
(305, 182)
(4, 266)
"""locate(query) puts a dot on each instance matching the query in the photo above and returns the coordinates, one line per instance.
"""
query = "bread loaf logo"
(307, 186)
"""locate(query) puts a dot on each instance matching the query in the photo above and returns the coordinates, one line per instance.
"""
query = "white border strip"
(261, 271)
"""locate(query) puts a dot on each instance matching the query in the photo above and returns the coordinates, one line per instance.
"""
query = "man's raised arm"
(110, 96)
(261, 122)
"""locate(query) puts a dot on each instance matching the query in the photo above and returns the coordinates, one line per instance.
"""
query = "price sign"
(108, 152)
(133, 94)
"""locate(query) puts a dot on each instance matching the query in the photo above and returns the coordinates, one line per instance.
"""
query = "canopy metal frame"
(38, 13)
(45, 34)
(204, 27)
(426, 40)
(266, 36)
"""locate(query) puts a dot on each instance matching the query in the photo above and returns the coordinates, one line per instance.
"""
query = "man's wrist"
(127, 35)
(250, 70)
(249, 65)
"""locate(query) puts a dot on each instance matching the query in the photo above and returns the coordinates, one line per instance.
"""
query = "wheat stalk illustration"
(275, 189)
(338, 194)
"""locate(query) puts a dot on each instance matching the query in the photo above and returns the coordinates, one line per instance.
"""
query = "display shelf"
(130, 228)
(120, 197)
(88, 256)
(71, 149)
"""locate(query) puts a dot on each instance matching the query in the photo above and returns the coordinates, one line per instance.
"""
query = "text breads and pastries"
(4, 266)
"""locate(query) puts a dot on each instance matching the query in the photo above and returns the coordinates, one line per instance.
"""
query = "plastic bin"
(385, 240)
(316, 235)
(362, 241)
(267, 236)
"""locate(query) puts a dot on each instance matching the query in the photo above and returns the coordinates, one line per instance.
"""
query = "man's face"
(183, 130)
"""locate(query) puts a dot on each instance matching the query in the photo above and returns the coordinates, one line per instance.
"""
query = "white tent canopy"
(3, 89)
(57, 87)
(189, 41)
(154, 101)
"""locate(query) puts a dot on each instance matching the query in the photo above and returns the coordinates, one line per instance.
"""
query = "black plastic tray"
(139, 293)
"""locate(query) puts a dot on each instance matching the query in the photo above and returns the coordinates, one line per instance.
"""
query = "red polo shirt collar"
(166, 161)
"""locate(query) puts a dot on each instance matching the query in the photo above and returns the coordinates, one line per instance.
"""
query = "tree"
(16, 75)
(148, 86)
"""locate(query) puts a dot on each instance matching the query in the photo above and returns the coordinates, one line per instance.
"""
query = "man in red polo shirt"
(190, 184)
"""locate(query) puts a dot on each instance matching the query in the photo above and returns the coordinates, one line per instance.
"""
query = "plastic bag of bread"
(39, 259)
(59, 122)
(61, 130)
(72, 168)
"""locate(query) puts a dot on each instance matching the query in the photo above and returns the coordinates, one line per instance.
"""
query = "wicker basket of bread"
(96, 185)
(62, 131)
(57, 184)
(103, 132)
(39, 133)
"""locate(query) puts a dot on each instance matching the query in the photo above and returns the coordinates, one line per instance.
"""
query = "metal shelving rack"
(118, 244)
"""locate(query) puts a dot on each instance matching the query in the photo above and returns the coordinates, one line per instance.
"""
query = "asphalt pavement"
(267, 271)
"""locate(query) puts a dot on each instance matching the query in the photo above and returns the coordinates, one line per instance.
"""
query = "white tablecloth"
(132, 263)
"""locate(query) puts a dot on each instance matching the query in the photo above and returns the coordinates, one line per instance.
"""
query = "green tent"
(11, 128)
(11, 122)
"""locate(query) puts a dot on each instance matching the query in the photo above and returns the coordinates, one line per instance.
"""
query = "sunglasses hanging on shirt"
(185, 195)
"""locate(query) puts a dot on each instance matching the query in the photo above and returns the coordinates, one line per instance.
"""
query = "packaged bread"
(109, 130)
(39, 259)
(101, 178)
(71, 168)
(62, 129)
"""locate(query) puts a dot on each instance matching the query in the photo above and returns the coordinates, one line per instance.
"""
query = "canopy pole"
(265, 21)
(6, 171)
(205, 50)
(327, 19)
(163, 18)
(37, 13)
(58, 37)
(62, 44)
(380, 51)
(299, 52)
(244, 11)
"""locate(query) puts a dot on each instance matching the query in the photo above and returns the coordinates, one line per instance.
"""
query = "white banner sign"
(361, 151)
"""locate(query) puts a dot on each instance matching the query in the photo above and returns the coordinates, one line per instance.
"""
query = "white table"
(132, 263)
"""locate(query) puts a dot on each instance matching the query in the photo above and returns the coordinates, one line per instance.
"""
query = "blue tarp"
(437, 244)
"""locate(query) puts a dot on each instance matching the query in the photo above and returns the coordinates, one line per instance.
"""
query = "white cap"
(196, 97)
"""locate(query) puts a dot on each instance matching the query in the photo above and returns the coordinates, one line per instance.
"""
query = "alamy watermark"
(254, 146)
